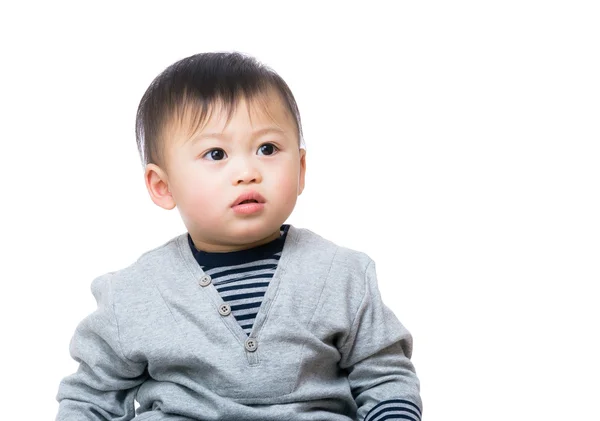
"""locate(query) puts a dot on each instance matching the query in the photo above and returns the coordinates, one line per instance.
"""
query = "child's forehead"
(249, 113)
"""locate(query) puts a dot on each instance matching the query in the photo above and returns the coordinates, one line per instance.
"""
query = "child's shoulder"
(342, 256)
(158, 259)
(345, 272)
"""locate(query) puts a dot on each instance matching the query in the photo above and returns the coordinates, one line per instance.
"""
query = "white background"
(457, 143)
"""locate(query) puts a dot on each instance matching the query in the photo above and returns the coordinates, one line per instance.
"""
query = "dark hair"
(197, 83)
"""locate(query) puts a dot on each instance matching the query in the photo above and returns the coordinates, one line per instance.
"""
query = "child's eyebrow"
(222, 136)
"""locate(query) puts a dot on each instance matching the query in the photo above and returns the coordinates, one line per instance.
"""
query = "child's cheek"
(287, 191)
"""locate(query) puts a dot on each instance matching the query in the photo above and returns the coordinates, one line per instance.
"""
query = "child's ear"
(302, 171)
(157, 184)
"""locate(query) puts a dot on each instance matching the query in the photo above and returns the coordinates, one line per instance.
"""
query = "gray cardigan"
(323, 346)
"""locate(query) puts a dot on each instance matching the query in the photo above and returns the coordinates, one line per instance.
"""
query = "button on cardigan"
(323, 347)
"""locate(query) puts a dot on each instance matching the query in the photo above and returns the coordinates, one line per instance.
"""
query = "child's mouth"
(248, 207)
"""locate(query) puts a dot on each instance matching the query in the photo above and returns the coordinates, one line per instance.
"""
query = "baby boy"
(243, 317)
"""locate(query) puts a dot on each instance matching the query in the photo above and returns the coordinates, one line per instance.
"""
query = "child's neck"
(217, 248)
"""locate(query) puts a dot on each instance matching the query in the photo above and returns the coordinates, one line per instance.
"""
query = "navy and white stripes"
(242, 277)
(394, 409)
(243, 287)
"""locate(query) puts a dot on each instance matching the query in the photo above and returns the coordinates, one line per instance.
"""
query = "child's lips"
(248, 208)
(251, 196)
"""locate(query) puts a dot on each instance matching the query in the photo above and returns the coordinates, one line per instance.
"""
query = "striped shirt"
(242, 277)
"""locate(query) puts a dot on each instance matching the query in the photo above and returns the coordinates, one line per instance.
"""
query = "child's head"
(213, 127)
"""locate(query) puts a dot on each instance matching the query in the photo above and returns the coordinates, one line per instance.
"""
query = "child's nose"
(247, 174)
(248, 178)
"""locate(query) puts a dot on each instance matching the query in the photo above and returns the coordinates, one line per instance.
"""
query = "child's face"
(256, 152)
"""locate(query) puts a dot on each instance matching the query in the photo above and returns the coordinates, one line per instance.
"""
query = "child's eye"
(267, 149)
(215, 155)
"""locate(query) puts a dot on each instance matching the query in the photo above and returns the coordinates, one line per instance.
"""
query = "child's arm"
(376, 353)
(105, 385)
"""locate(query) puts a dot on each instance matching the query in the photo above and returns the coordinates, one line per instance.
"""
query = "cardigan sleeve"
(376, 354)
(106, 382)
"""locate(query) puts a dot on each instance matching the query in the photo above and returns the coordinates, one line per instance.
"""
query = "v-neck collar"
(290, 247)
